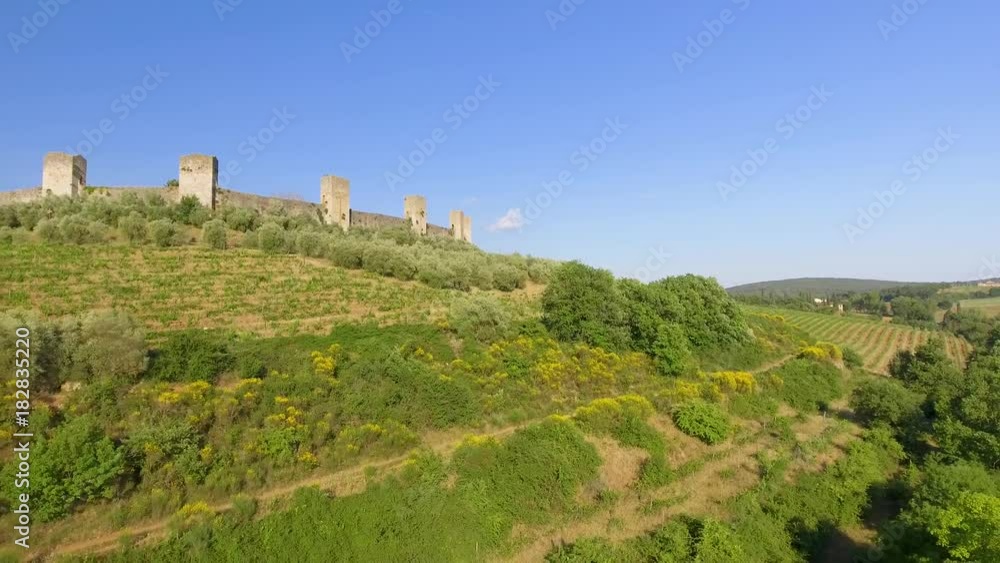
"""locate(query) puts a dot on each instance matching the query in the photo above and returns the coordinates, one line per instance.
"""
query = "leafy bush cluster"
(808, 385)
(99, 344)
(703, 420)
(667, 319)
(948, 420)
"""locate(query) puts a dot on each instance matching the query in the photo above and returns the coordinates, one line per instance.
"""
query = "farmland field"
(876, 341)
(989, 306)
(192, 287)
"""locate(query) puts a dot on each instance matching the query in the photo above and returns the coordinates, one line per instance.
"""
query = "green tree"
(77, 464)
(970, 528)
(670, 350)
(213, 234)
(584, 304)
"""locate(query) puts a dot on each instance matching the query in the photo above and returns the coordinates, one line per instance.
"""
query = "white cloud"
(511, 221)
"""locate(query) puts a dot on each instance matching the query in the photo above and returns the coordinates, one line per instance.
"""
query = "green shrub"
(702, 420)
(271, 238)
(808, 385)
(112, 344)
(481, 316)
(309, 243)
(852, 359)
(164, 233)
(670, 350)
(186, 209)
(509, 278)
(584, 304)
(241, 219)
(79, 463)
(48, 230)
(882, 400)
(135, 228)
(192, 355)
(346, 253)
(214, 234)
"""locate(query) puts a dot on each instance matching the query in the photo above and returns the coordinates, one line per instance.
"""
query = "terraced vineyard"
(191, 287)
(876, 341)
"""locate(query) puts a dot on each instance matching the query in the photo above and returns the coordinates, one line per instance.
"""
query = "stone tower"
(64, 174)
(335, 200)
(466, 228)
(415, 210)
(456, 222)
(199, 177)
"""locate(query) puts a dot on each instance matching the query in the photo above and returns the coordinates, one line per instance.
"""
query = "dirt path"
(773, 365)
(344, 482)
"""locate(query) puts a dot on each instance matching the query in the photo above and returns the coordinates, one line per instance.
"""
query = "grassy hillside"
(817, 287)
(876, 341)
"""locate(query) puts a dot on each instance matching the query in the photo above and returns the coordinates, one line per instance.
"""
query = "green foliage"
(624, 419)
(532, 475)
(583, 304)
(480, 316)
(852, 359)
(912, 309)
(111, 344)
(214, 234)
(192, 355)
(808, 385)
(703, 420)
(78, 463)
(271, 238)
(670, 350)
(884, 401)
(968, 530)
(135, 228)
(164, 233)
(189, 211)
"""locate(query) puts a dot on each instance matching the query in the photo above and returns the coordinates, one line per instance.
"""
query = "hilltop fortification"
(66, 175)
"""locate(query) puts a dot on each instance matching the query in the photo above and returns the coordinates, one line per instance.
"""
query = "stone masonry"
(64, 174)
(335, 200)
(466, 228)
(199, 177)
(415, 211)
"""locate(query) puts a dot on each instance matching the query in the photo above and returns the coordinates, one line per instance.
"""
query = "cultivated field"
(191, 287)
(989, 306)
(876, 341)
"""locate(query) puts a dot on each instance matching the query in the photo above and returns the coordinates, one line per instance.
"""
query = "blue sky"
(693, 89)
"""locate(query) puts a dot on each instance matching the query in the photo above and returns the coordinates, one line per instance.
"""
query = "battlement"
(66, 175)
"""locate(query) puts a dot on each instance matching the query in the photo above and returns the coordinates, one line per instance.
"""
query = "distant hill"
(814, 286)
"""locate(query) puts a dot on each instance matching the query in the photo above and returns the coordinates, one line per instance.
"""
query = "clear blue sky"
(655, 186)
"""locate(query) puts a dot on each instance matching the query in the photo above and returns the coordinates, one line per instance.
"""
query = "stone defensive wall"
(66, 175)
